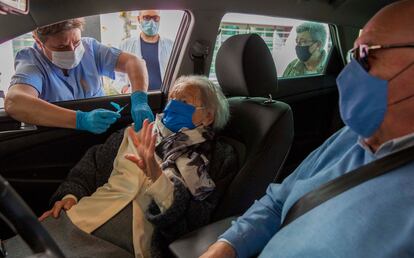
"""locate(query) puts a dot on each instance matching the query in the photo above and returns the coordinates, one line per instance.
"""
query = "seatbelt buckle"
(269, 100)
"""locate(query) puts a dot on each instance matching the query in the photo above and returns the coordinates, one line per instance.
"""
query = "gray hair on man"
(316, 30)
(212, 97)
(140, 12)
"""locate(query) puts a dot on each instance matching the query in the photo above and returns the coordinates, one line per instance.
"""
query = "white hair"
(212, 97)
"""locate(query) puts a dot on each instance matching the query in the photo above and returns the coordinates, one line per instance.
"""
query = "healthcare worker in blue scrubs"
(64, 66)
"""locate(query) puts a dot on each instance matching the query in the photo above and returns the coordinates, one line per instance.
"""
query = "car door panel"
(314, 103)
(36, 161)
(315, 117)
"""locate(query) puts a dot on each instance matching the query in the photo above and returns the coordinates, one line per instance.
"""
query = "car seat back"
(260, 129)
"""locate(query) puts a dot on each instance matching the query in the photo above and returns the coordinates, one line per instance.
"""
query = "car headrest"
(245, 67)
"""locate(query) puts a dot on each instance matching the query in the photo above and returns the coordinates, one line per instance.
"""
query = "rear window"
(299, 48)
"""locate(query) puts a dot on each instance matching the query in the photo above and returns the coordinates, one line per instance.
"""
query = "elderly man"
(310, 42)
(151, 47)
(372, 219)
(64, 66)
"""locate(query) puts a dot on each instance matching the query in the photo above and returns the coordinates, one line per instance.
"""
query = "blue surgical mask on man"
(149, 27)
(363, 98)
(178, 115)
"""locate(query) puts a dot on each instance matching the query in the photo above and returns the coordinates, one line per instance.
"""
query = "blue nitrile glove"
(96, 121)
(140, 109)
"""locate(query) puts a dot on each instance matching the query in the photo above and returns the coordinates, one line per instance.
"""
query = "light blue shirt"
(373, 219)
(84, 81)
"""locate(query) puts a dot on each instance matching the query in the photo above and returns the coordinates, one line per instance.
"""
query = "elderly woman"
(165, 180)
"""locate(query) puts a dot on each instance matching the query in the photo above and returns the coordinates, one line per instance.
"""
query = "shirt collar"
(390, 146)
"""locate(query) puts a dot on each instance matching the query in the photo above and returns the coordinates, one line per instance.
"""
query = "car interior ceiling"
(50, 152)
(330, 11)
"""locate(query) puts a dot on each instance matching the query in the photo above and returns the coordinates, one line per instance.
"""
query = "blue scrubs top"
(84, 81)
(373, 219)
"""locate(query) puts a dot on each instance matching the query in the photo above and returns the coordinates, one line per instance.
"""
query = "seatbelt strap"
(198, 65)
(347, 181)
(3, 252)
(199, 52)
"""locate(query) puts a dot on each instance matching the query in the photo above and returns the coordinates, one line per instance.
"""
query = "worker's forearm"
(29, 109)
(138, 74)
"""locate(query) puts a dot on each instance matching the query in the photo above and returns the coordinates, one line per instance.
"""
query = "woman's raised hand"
(144, 142)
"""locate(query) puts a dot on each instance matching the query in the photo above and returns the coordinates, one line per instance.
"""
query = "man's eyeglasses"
(361, 53)
(155, 18)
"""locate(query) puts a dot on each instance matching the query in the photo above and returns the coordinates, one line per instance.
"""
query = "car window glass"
(287, 39)
(122, 30)
(119, 30)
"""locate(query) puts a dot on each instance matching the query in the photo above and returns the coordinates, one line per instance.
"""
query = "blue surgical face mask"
(178, 115)
(363, 98)
(149, 27)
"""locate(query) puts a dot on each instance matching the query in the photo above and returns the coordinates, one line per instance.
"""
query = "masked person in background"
(61, 66)
(151, 47)
(160, 185)
(311, 56)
